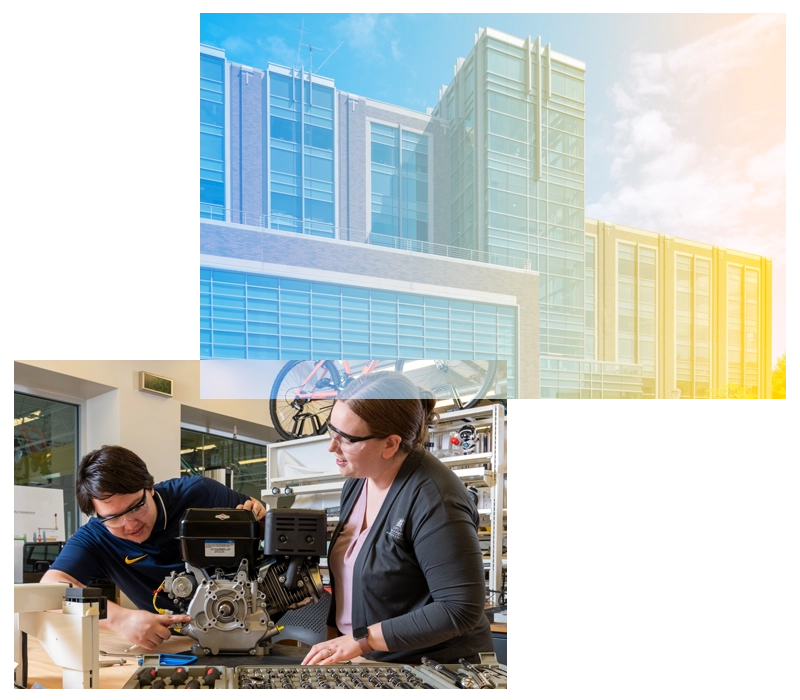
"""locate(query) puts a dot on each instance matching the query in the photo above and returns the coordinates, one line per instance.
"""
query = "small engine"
(235, 591)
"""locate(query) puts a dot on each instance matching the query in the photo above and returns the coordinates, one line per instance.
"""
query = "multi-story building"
(469, 219)
(366, 183)
(516, 111)
(696, 317)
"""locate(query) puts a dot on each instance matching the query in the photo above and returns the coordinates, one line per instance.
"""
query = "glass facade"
(399, 177)
(46, 451)
(573, 379)
(212, 137)
(517, 125)
(462, 167)
(301, 155)
(248, 316)
(743, 284)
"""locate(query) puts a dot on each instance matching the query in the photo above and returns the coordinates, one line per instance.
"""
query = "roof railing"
(286, 224)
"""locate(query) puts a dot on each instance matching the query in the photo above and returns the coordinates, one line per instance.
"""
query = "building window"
(46, 453)
(399, 173)
(693, 326)
(742, 332)
(636, 311)
(702, 328)
(247, 460)
(247, 316)
(212, 137)
(589, 277)
(646, 320)
(626, 303)
(301, 143)
(683, 326)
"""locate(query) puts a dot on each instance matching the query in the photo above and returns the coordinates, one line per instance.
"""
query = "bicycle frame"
(314, 394)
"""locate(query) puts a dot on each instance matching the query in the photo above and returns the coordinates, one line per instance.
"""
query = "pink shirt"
(342, 557)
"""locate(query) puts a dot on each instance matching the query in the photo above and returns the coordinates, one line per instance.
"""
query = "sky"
(685, 114)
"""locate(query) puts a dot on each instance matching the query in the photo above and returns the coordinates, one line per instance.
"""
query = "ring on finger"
(330, 653)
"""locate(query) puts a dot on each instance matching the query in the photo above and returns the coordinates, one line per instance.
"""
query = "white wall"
(116, 412)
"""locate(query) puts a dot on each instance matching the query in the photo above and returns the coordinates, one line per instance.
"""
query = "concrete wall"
(247, 96)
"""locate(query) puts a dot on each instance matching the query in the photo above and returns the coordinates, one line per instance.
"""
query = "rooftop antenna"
(310, 66)
(329, 55)
(300, 45)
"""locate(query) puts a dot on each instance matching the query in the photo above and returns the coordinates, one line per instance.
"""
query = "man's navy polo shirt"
(139, 568)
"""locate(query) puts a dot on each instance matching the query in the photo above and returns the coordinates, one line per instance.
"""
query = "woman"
(405, 562)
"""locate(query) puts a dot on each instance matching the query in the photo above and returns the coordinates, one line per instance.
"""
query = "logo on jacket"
(396, 533)
(128, 560)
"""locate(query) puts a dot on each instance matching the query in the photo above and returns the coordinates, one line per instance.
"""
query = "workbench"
(42, 670)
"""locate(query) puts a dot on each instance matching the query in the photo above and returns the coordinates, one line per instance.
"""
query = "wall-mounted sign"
(155, 384)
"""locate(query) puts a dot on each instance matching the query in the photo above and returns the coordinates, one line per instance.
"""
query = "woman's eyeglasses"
(345, 439)
(132, 513)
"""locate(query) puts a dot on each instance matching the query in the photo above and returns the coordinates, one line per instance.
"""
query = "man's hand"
(146, 629)
(256, 506)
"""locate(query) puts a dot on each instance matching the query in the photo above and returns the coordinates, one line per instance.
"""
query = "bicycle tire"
(294, 417)
(472, 377)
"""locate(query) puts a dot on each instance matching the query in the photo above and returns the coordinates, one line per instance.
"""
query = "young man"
(132, 541)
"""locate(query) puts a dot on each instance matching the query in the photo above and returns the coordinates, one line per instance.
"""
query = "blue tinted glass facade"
(414, 186)
(212, 137)
(529, 110)
(301, 155)
(399, 176)
(248, 316)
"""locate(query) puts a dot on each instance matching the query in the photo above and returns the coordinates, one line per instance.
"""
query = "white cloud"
(689, 72)
(236, 45)
(694, 151)
(369, 36)
(649, 131)
(278, 52)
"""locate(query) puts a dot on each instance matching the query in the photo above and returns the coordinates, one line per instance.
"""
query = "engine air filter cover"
(295, 531)
(218, 537)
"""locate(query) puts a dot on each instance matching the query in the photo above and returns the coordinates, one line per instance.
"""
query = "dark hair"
(107, 472)
(391, 404)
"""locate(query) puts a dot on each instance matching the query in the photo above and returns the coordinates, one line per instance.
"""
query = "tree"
(779, 378)
(730, 391)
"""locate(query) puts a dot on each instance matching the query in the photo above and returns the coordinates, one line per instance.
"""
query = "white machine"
(66, 622)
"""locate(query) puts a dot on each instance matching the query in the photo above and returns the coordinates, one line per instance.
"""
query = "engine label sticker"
(220, 548)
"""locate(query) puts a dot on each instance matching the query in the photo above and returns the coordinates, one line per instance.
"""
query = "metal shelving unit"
(485, 470)
(306, 469)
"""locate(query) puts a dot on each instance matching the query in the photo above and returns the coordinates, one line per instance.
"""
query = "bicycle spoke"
(302, 398)
(462, 382)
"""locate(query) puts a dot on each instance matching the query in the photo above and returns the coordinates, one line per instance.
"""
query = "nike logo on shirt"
(128, 560)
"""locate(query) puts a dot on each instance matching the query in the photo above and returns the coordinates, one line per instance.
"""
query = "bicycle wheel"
(302, 397)
(464, 382)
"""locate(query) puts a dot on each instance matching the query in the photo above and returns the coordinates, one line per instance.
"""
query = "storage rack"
(307, 470)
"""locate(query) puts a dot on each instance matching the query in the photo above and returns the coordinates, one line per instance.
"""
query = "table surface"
(42, 670)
